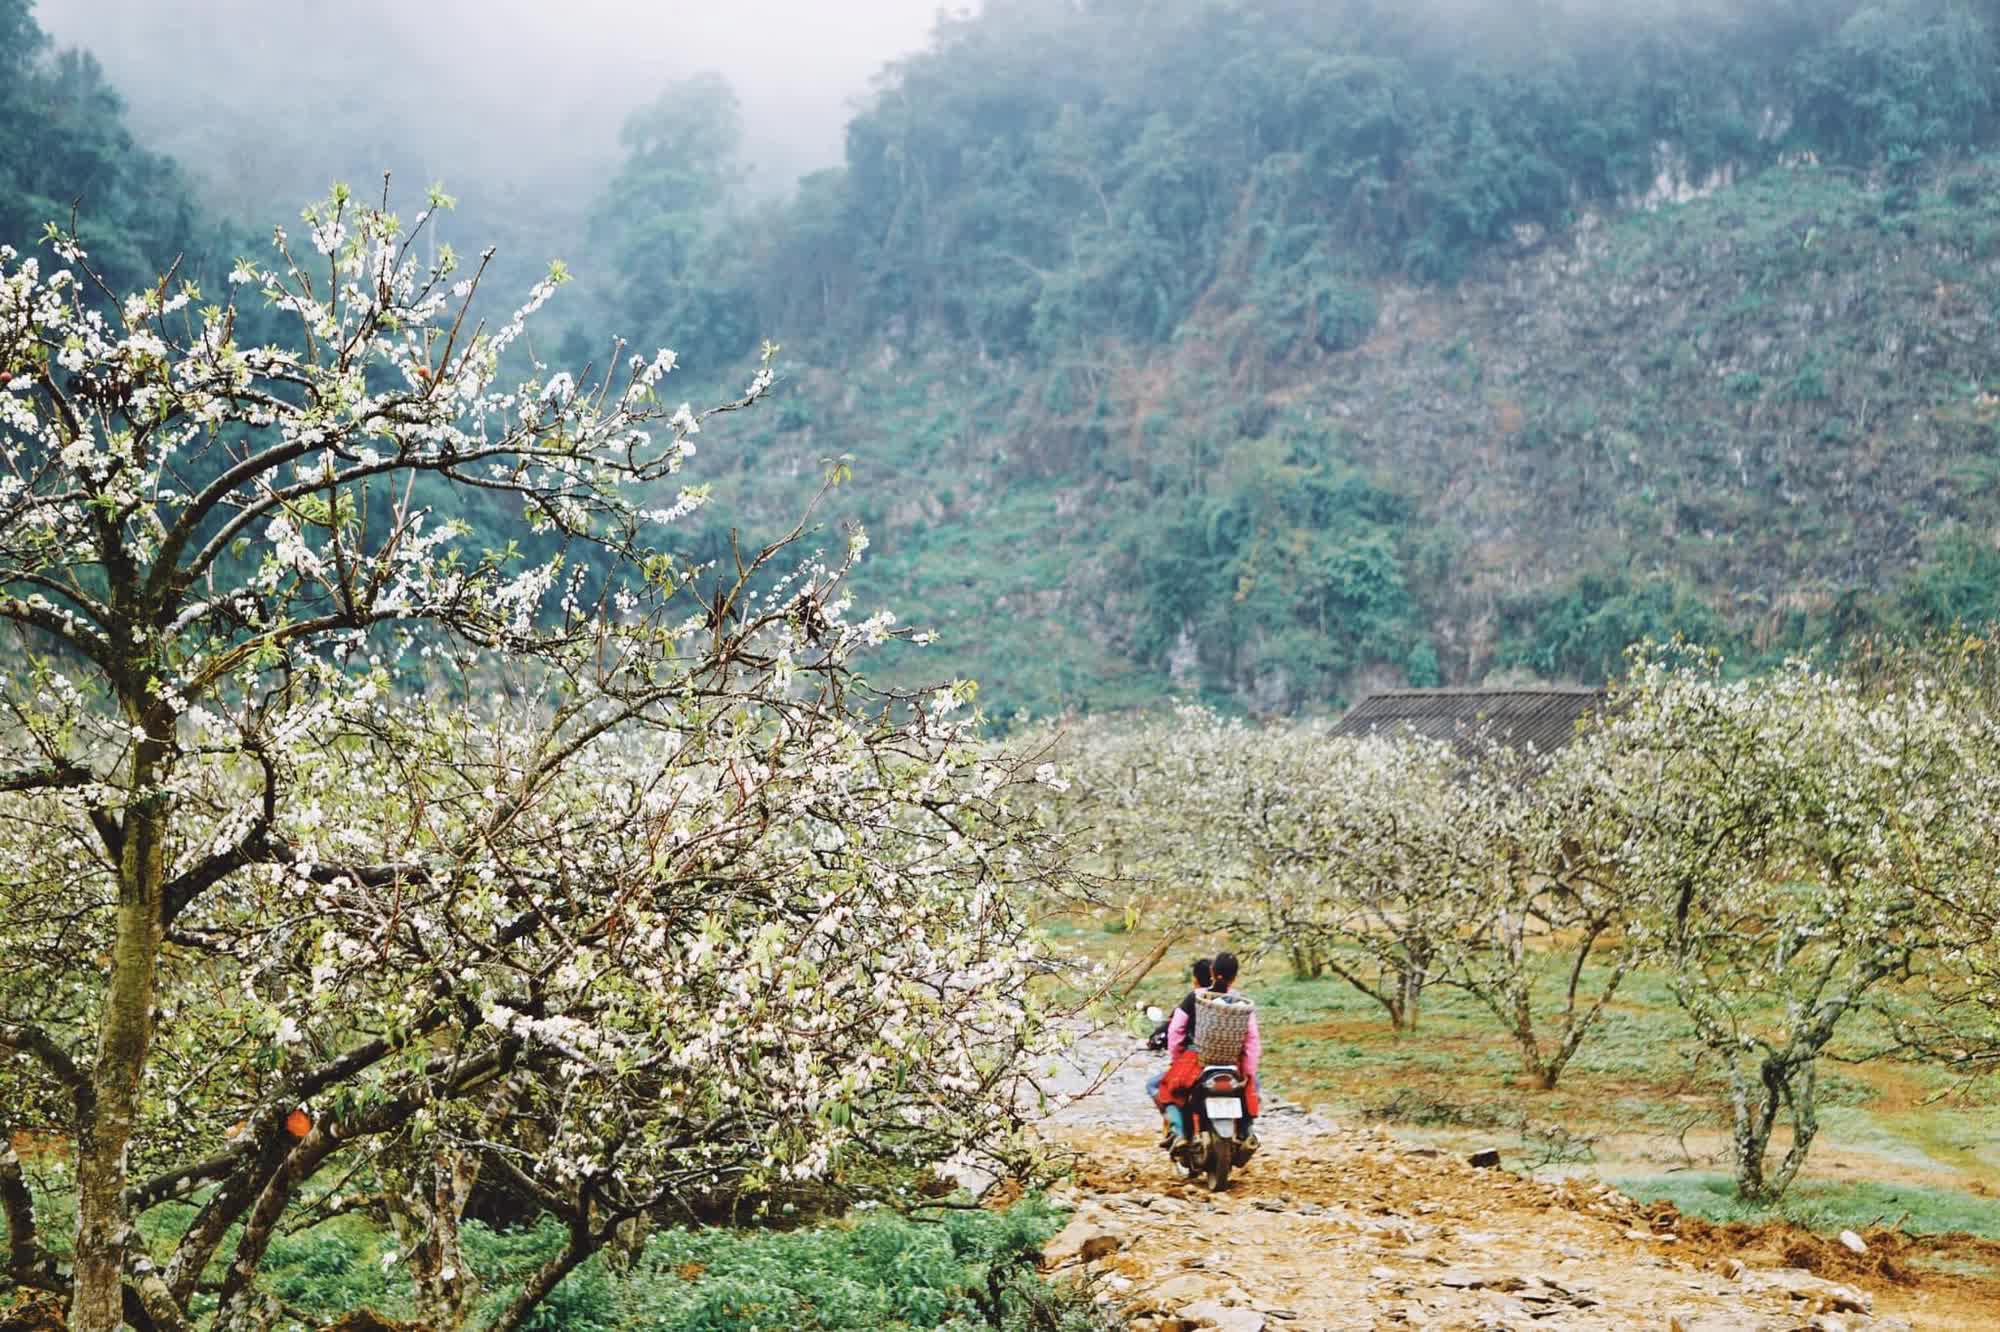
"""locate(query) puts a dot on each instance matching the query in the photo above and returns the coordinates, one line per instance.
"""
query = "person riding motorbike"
(1180, 1031)
(1186, 1068)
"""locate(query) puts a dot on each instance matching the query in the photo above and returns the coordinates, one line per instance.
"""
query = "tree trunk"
(17, 1209)
(1543, 1073)
(1802, 1096)
(1410, 997)
(1793, 1087)
(1749, 1161)
(1308, 963)
(1379, 990)
(125, 1029)
(1521, 1019)
(430, 1190)
(1755, 1106)
(238, 1306)
(224, 1208)
(427, 1207)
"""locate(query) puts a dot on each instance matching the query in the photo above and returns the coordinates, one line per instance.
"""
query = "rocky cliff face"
(1757, 411)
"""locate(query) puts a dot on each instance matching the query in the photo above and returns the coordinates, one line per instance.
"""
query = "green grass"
(884, 1272)
(334, 1268)
(1827, 1206)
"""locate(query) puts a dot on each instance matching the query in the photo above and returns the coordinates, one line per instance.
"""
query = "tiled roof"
(1543, 719)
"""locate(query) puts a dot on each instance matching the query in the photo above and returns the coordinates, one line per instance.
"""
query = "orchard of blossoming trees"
(1792, 852)
(346, 861)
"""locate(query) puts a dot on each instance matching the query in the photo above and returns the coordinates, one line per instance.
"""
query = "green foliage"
(660, 263)
(1582, 631)
(952, 1269)
(1106, 237)
(1899, 80)
(64, 145)
(1313, 300)
(1082, 261)
(884, 1272)
(1048, 173)
(1287, 569)
(1827, 1206)
(586, 1300)
(1959, 584)
(331, 1270)
(947, 1270)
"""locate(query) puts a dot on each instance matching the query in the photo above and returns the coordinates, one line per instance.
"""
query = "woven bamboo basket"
(1221, 1023)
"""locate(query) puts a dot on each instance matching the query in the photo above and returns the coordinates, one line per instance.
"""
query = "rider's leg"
(1177, 1121)
(1152, 1097)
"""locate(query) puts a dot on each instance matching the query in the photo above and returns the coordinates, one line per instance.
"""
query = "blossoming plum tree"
(1343, 855)
(1396, 866)
(343, 854)
(1801, 846)
(1205, 808)
(1414, 863)
(1481, 868)
(1808, 857)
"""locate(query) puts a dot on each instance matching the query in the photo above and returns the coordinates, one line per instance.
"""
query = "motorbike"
(1217, 1142)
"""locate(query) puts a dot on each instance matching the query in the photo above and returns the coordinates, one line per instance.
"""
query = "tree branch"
(53, 776)
(546, 1278)
(63, 630)
(256, 846)
(32, 1040)
(28, 1264)
(261, 1226)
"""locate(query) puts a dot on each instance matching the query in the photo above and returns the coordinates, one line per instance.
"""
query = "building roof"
(1543, 719)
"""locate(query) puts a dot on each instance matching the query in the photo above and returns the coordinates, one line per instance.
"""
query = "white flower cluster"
(456, 845)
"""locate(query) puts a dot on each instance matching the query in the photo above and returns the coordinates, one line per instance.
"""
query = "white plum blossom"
(1790, 850)
(559, 859)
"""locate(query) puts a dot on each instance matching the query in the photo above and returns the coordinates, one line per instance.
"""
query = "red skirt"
(1184, 1072)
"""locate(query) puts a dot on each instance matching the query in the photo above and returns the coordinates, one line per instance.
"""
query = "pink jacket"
(1253, 1045)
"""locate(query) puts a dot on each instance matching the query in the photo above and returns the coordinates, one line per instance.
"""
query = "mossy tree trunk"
(107, 1115)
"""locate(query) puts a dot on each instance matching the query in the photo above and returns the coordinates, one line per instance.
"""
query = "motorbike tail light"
(1224, 1083)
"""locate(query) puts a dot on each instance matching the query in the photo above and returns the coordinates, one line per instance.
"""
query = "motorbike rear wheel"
(1221, 1156)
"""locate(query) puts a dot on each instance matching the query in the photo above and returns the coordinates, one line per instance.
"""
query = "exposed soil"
(1341, 1227)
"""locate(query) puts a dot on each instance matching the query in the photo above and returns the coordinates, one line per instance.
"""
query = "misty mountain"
(1262, 349)
(515, 107)
(1272, 350)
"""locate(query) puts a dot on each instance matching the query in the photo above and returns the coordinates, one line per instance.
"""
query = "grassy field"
(1639, 1105)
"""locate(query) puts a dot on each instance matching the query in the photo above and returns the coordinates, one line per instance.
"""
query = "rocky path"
(1334, 1227)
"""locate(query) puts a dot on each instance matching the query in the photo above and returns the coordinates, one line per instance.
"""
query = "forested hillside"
(1269, 349)
(1273, 349)
(64, 144)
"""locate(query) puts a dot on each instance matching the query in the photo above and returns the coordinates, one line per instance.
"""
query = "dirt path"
(1336, 1227)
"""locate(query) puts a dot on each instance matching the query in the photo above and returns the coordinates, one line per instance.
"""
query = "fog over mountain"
(511, 90)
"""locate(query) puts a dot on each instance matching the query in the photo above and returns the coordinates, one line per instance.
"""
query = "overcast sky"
(489, 79)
